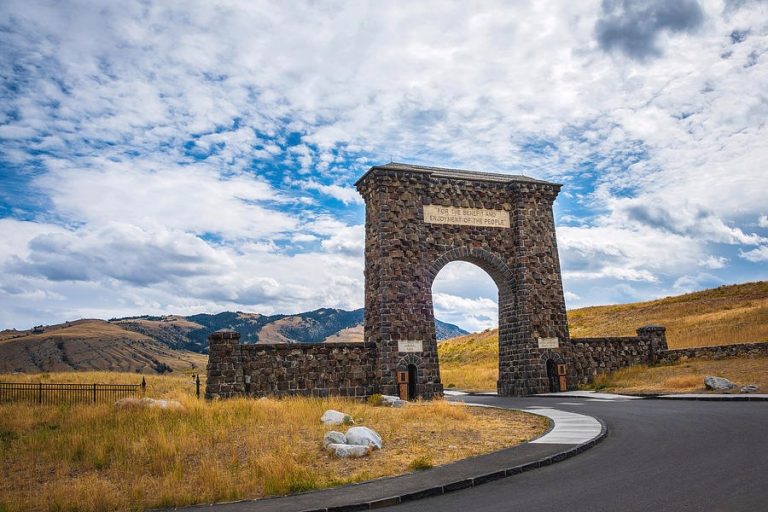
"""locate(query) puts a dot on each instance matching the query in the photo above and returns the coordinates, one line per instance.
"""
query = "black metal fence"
(54, 394)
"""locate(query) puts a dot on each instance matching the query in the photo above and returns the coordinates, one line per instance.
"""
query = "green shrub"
(420, 463)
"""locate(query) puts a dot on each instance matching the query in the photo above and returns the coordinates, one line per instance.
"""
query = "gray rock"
(334, 437)
(392, 401)
(363, 436)
(750, 388)
(149, 403)
(349, 450)
(331, 417)
(718, 383)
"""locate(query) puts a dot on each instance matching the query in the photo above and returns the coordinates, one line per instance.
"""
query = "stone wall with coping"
(288, 369)
(594, 356)
(716, 352)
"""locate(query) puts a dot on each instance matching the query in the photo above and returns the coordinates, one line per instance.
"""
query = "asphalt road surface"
(659, 455)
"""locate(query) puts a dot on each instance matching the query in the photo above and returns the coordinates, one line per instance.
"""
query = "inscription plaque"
(549, 343)
(434, 214)
(410, 346)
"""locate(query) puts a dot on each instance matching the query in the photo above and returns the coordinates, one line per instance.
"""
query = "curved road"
(659, 455)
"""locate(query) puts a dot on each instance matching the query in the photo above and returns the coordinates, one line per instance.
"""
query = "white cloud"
(193, 198)
(755, 255)
(347, 195)
(714, 262)
(698, 282)
(187, 128)
(471, 314)
(570, 296)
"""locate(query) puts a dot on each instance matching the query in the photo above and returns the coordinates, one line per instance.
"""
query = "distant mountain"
(90, 345)
(158, 344)
(320, 325)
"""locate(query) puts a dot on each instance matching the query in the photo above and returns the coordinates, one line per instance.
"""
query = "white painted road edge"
(716, 396)
(590, 394)
(569, 427)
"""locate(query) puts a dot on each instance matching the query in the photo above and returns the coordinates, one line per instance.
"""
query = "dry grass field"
(720, 316)
(685, 377)
(470, 362)
(99, 458)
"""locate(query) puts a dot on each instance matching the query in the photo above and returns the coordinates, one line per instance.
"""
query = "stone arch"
(418, 219)
(492, 264)
(495, 266)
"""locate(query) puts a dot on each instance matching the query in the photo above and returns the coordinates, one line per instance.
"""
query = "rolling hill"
(718, 316)
(325, 324)
(90, 345)
(157, 344)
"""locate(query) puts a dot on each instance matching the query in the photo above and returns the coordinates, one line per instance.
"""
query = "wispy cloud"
(217, 144)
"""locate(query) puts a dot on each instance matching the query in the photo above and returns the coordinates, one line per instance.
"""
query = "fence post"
(94, 392)
(197, 386)
(143, 386)
(40, 393)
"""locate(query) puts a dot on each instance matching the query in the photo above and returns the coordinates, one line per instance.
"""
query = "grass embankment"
(720, 316)
(95, 458)
(470, 362)
(685, 377)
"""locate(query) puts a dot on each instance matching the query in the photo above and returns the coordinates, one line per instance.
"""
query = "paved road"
(659, 456)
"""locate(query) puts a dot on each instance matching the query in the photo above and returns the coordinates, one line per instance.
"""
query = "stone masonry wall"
(716, 352)
(404, 253)
(318, 369)
(594, 356)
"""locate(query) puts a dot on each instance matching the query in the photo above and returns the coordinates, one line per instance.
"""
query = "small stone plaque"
(549, 343)
(410, 346)
(434, 214)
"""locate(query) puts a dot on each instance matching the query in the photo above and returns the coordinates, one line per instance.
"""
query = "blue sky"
(185, 157)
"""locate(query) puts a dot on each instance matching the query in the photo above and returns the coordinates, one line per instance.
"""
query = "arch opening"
(413, 376)
(552, 376)
(466, 295)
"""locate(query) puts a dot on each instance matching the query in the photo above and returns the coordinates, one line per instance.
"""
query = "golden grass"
(720, 316)
(470, 362)
(98, 458)
(685, 376)
(79, 329)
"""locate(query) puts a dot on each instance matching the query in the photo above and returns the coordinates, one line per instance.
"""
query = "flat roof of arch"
(442, 172)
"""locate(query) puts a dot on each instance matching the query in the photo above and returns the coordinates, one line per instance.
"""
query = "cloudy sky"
(162, 157)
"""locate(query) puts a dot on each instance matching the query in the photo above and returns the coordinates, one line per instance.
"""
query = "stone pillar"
(225, 366)
(417, 220)
(657, 341)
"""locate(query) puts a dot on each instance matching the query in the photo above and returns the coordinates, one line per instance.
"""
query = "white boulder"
(349, 450)
(392, 401)
(334, 437)
(363, 436)
(750, 388)
(718, 383)
(149, 403)
(331, 417)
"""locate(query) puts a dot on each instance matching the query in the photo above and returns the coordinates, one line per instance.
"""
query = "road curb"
(746, 397)
(466, 483)
(414, 492)
(713, 398)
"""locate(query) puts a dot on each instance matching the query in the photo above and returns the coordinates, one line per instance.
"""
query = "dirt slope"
(90, 345)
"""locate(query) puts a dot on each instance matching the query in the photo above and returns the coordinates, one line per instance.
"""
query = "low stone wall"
(318, 369)
(593, 356)
(716, 352)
